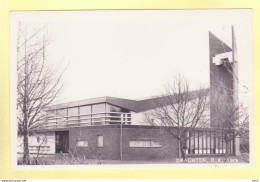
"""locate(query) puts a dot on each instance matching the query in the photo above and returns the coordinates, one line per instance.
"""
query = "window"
(84, 110)
(156, 143)
(111, 108)
(145, 143)
(98, 108)
(51, 114)
(73, 114)
(82, 143)
(97, 111)
(61, 115)
(207, 142)
(100, 141)
(61, 112)
(73, 111)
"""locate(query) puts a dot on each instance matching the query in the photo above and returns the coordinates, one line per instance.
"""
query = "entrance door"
(62, 141)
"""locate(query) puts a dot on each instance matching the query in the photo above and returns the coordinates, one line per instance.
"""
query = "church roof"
(133, 105)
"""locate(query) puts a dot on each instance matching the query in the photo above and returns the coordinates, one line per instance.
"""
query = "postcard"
(131, 89)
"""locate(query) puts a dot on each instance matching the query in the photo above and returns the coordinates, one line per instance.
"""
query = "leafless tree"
(230, 115)
(38, 84)
(180, 110)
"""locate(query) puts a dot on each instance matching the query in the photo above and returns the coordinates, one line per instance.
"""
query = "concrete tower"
(223, 77)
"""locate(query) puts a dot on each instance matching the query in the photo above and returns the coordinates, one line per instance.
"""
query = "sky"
(132, 53)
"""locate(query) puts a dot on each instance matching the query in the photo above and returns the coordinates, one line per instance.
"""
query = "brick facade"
(110, 149)
(112, 138)
(168, 150)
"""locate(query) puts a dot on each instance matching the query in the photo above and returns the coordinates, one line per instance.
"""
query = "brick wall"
(111, 148)
(168, 150)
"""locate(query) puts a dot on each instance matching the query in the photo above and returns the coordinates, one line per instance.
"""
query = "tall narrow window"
(100, 141)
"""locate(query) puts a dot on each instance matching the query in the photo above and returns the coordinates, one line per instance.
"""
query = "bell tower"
(223, 77)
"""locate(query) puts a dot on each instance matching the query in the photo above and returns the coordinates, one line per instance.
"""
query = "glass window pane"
(51, 115)
(208, 142)
(224, 147)
(196, 149)
(114, 109)
(156, 144)
(200, 142)
(61, 112)
(61, 115)
(51, 112)
(228, 142)
(232, 146)
(217, 144)
(82, 143)
(111, 108)
(98, 108)
(204, 139)
(192, 144)
(146, 143)
(84, 110)
(99, 141)
(213, 142)
(220, 144)
(73, 111)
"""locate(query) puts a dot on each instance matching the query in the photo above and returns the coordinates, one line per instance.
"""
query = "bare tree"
(180, 110)
(38, 84)
(229, 115)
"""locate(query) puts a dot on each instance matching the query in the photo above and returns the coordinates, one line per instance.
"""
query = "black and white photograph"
(131, 88)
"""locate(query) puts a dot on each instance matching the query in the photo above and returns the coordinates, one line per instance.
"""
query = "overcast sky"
(132, 54)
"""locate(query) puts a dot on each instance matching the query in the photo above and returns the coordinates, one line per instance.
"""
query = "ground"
(70, 159)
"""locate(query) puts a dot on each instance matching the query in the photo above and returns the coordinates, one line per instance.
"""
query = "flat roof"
(133, 105)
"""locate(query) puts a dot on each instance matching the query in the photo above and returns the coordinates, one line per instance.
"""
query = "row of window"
(133, 143)
(86, 110)
(145, 143)
(209, 142)
(89, 114)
